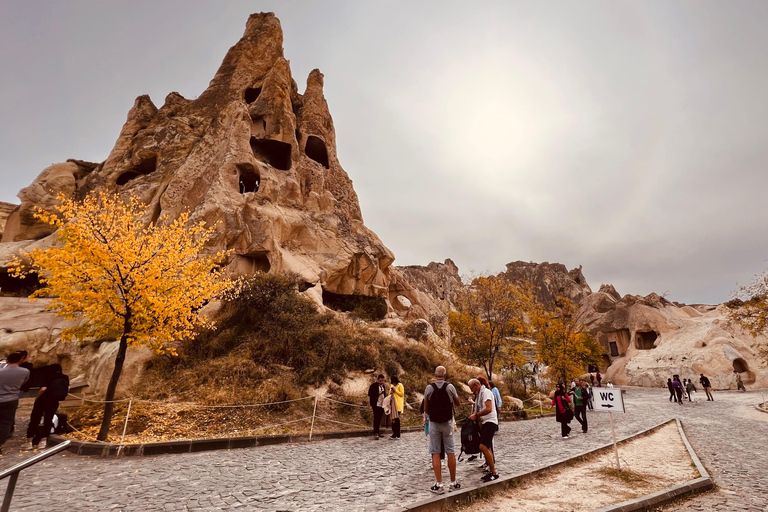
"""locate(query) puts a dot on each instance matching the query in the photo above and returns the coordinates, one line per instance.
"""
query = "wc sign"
(608, 399)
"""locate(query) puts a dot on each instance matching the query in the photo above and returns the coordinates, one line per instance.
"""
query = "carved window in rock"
(272, 152)
(614, 348)
(316, 150)
(146, 166)
(645, 340)
(248, 179)
(252, 94)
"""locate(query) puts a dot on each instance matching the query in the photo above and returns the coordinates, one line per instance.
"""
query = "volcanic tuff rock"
(5, 211)
(648, 339)
(424, 292)
(550, 280)
(251, 155)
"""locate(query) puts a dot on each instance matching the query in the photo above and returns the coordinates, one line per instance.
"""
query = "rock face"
(648, 339)
(25, 325)
(251, 155)
(5, 210)
(550, 280)
(426, 292)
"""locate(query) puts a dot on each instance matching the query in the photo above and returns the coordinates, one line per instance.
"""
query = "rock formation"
(251, 155)
(648, 339)
(550, 280)
(5, 211)
(424, 292)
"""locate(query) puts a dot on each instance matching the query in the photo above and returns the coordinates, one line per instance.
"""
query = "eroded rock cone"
(250, 155)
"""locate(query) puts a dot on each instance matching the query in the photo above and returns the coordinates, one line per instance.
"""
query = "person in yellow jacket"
(398, 393)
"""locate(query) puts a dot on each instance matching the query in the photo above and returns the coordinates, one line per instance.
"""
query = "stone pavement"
(363, 474)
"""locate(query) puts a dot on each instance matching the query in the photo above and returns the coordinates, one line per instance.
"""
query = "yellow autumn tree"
(562, 344)
(116, 277)
(488, 321)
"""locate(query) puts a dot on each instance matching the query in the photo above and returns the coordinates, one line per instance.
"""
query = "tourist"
(425, 423)
(496, 395)
(376, 395)
(484, 411)
(691, 390)
(563, 413)
(589, 397)
(685, 390)
(12, 377)
(54, 390)
(671, 388)
(740, 383)
(599, 380)
(440, 397)
(592, 378)
(678, 389)
(579, 394)
(398, 393)
(497, 404)
(707, 387)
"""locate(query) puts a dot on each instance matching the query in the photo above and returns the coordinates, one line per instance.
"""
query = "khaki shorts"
(438, 432)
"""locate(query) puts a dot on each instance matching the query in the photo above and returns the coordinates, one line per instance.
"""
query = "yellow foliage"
(489, 318)
(115, 276)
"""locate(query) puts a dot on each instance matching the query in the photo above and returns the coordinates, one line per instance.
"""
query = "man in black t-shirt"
(53, 391)
(707, 387)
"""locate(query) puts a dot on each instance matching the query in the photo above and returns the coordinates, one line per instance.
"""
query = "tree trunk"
(109, 406)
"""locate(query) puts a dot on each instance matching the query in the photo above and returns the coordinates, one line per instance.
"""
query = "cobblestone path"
(361, 474)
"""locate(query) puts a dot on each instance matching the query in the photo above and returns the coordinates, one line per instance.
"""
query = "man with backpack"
(54, 390)
(439, 399)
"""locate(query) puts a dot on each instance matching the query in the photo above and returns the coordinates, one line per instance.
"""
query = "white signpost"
(609, 400)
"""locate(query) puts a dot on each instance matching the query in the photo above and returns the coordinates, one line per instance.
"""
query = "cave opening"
(316, 150)
(272, 152)
(645, 340)
(740, 366)
(146, 166)
(11, 286)
(248, 179)
(252, 94)
(362, 306)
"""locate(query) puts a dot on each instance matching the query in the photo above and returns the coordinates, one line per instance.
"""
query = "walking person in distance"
(398, 394)
(563, 413)
(707, 387)
(377, 392)
(12, 377)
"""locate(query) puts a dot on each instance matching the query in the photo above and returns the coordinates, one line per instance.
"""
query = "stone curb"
(451, 500)
(698, 485)
(201, 445)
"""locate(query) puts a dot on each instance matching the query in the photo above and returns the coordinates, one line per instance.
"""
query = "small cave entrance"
(741, 366)
(146, 166)
(272, 152)
(316, 150)
(11, 286)
(248, 179)
(614, 347)
(252, 94)
(362, 306)
(645, 340)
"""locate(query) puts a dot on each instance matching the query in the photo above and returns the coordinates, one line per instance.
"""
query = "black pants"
(7, 416)
(378, 413)
(565, 429)
(580, 413)
(396, 427)
(44, 408)
(672, 395)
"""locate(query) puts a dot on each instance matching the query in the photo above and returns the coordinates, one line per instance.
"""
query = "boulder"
(550, 280)
(515, 402)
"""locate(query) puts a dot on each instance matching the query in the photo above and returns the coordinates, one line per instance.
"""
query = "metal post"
(125, 427)
(615, 447)
(9, 492)
(314, 411)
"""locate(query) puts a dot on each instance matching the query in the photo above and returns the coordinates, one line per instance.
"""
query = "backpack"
(470, 439)
(440, 406)
(59, 387)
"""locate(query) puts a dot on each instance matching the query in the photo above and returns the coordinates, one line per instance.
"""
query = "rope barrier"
(341, 422)
(344, 403)
(190, 404)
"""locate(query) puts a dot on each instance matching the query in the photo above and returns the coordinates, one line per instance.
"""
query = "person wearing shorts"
(439, 399)
(484, 411)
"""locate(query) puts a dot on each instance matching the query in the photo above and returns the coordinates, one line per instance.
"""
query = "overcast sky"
(627, 137)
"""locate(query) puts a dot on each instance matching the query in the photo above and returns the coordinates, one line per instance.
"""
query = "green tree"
(116, 277)
(488, 322)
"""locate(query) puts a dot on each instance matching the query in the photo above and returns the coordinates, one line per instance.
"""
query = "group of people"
(438, 408)
(686, 390)
(16, 378)
(580, 394)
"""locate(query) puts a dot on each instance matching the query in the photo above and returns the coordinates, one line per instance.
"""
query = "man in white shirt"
(484, 411)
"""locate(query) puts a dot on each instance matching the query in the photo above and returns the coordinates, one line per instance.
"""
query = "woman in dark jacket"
(563, 413)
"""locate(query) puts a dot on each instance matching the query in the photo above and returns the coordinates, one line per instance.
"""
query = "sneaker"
(490, 477)
(565, 437)
(437, 488)
(471, 458)
(454, 486)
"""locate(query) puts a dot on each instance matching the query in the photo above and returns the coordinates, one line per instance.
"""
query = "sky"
(626, 137)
